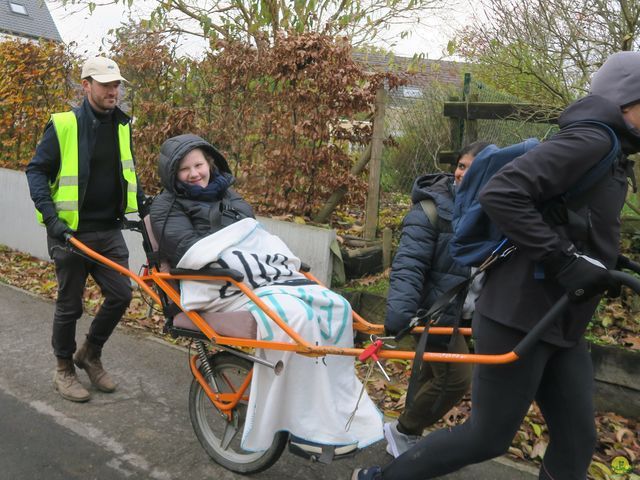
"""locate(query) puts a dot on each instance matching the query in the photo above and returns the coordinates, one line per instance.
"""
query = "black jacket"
(511, 295)
(45, 164)
(422, 268)
(179, 222)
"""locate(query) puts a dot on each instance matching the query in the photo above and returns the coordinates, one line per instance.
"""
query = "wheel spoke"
(230, 432)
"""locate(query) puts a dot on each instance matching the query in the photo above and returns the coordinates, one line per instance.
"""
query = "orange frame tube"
(225, 402)
(298, 345)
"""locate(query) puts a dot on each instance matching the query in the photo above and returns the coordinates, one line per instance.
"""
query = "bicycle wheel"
(219, 437)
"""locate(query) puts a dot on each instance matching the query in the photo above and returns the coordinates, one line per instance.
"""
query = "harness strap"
(416, 368)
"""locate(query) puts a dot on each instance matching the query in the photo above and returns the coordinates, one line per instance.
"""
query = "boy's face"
(194, 169)
(461, 168)
(632, 115)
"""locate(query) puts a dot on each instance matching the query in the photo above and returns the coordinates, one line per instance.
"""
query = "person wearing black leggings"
(569, 256)
(559, 379)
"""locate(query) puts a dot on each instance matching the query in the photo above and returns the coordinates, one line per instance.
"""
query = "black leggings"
(560, 380)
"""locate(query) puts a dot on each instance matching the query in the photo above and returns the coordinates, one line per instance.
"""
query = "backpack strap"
(599, 170)
(429, 207)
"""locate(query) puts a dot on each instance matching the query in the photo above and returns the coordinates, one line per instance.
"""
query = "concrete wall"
(19, 230)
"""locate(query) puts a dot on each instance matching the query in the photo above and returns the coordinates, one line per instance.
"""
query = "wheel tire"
(209, 424)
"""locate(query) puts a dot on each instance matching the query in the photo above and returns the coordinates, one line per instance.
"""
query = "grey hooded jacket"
(179, 222)
(422, 268)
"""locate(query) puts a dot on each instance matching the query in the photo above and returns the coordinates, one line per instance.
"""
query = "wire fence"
(417, 131)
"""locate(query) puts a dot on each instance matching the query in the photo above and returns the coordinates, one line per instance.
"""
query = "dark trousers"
(72, 271)
(442, 385)
(560, 380)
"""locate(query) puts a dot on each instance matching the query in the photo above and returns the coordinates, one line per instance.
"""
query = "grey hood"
(618, 79)
(174, 149)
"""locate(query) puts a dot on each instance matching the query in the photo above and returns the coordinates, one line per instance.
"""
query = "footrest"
(320, 453)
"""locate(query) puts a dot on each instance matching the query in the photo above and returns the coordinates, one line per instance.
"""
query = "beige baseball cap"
(102, 69)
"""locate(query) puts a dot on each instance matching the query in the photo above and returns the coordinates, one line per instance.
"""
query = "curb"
(517, 469)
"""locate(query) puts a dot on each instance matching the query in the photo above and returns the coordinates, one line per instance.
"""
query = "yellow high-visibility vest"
(64, 190)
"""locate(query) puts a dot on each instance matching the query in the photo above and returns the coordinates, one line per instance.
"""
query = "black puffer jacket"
(179, 222)
(511, 294)
(422, 268)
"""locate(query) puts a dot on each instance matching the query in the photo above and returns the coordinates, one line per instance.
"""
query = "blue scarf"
(218, 185)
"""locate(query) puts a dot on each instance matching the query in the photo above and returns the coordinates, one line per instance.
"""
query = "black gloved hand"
(57, 229)
(144, 207)
(582, 277)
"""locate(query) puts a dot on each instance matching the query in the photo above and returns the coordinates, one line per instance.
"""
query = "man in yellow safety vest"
(82, 181)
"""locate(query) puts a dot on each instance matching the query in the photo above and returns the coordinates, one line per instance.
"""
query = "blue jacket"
(422, 268)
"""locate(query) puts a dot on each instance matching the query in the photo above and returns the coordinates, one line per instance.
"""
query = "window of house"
(18, 8)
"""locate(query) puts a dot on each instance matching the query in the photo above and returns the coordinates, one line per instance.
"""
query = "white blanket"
(314, 397)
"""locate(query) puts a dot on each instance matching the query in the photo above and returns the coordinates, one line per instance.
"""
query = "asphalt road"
(142, 431)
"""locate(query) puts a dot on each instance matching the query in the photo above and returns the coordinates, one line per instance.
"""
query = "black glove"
(581, 276)
(57, 229)
(144, 207)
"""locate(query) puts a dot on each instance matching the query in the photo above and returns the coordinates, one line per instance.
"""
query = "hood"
(618, 79)
(175, 148)
(596, 107)
(438, 187)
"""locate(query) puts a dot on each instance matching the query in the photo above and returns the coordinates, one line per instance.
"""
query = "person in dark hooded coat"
(421, 272)
(193, 207)
(557, 373)
(196, 213)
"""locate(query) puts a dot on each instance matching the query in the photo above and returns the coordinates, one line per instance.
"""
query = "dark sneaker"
(397, 442)
(371, 473)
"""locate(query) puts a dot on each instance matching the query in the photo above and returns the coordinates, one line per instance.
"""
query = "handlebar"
(558, 309)
(628, 280)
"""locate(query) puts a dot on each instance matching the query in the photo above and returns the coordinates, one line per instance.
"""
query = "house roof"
(419, 72)
(36, 23)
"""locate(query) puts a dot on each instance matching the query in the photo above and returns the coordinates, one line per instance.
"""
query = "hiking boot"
(88, 359)
(66, 382)
(397, 442)
(371, 473)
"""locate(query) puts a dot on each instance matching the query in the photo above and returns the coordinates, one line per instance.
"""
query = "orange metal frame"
(227, 402)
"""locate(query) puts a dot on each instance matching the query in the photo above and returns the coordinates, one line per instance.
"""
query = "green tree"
(260, 21)
(546, 50)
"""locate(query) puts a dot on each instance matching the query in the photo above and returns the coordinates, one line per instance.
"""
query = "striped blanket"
(314, 397)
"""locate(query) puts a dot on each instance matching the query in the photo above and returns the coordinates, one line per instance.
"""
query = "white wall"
(19, 230)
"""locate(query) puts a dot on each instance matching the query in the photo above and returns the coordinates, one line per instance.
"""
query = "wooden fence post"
(387, 240)
(375, 167)
(471, 130)
(456, 126)
(340, 192)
